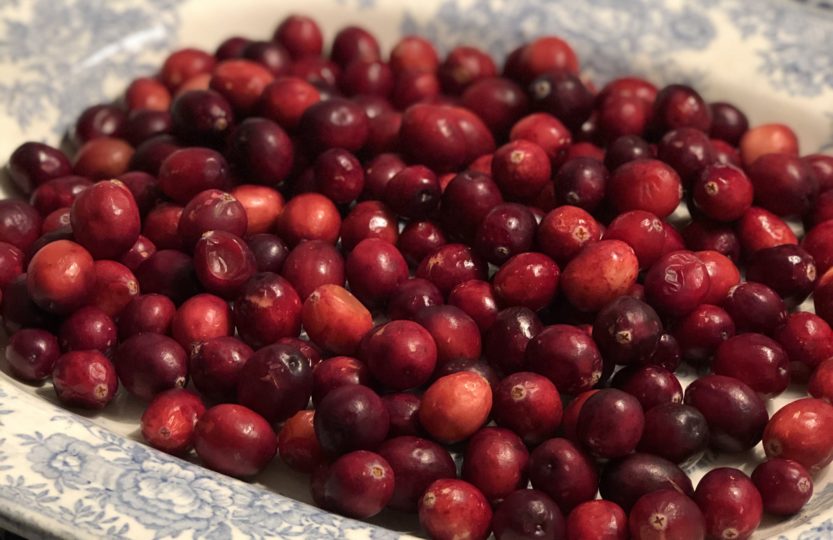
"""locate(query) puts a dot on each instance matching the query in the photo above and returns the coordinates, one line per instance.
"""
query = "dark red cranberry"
(184, 64)
(817, 243)
(368, 219)
(433, 136)
(231, 47)
(323, 74)
(759, 229)
(189, 171)
(374, 269)
(476, 299)
(730, 503)
(234, 440)
(267, 309)
(84, 379)
(728, 122)
(211, 210)
(784, 184)
(269, 251)
(466, 201)
(563, 95)
(285, 100)
(20, 224)
(215, 367)
(416, 463)
(379, 171)
(19, 310)
(567, 356)
(528, 514)
(755, 308)
(241, 82)
(722, 192)
(261, 151)
(337, 371)
(707, 235)
(528, 404)
(677, 283)
(506, 342)
(413, 192)
(599, 519)
(309, 216)
(358, 484)
(450, 265)
(413, 53)
(11, 263)
(300, 35)
(645, 184)
(507, 229)
(170, 273)
(610, 423)
(581, 182)
(620, 115)
(452, 508)
(31, 354)
(99, 121)
(403, 409)
(784, 485)
(419, 239)
(688, 150)
(497, 101)
(144, 124)
(275, 382)
(679, 106)
(627, 331)
(169, 421)
(564, 472)
(58, 193)
(723, 275)
(464, 66)
(527, 279)
(161, 226)
(350, 418)
(151, 313)
(666, 513)
(800, 430)
(144, 188)
(89, 328)
(521, 169)
(788, 269)
(736, 415)
(676, 432)
(412, 87)
(456, 334)
(400, 354)
(60, 276)
(311, 264)
(34, 163)
(223, 262)
(411, 296)
(339, 175)
(702, 331)
(822, 166)
(201, 117)
(334, 123)
(199, 318)
(148, 364)
(105, 219)
(354, 43)
(495, 462)
(651, 385)
(626, 480)
(806, 338)
(625, 149)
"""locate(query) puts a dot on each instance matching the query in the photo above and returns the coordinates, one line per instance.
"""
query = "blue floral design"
(63, 459)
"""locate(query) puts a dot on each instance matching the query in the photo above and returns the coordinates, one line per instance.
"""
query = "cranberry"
(33, 164)
(189, 171)
(297, 445)
(528, 513)
(599, 273)
(335, 319)
(723, 275)
(800, 431)
(183, 64)
(89, 328)
(200, 318)
(527, 279)
(817, 243)
(58, 193)
(499, 102)
(597, 520)
(105, 219)
(625, 149)
(19, 310)
(785, 486)
(400, 354)
(311, 264)
(723, 192)
(234, 440)
(351, 417)
(627, 330)
(168, 272)
(706, 235)
(161, 226)
(677, 283)
(806, 338)
(767, 139)
(563, 95)
(564, 472)
(666, 513)
(419, 239)
(506, 342)
(102, 158)
(702, 331)
(150, 154)
(822, 166)
(528, 404)
(99, 121)
(450, 265)
(334, 123)
(413, 192)
(269, 251)
(581, 182)
(368, 219)
(60, 276)
(495, 462)
(759, 229)
(565, 355)
(31, 354)
(784, 184)
(147, 93)
(20, 223)
(411, 296)
(564, 231)
(476, 298)
(216, 364)
(354, 43)
(756, 360)
(736, 415)
(267, 309)
(403, 409)
(84, 379)
(679, 106)
(358, 484)
(645, 184)
(223, 262)
(728, 122)
(674, 431)
(821, 212)
(725, 153)
(11, 263)
(169, 421)
(148, 364)
(641, 230)
(455, 406)
(285, 100)
(202, 117)
(337, 371)
(135, 256)
(730, 502)
(610, 423)
(309, 216)
(755, 308)
(151, 313)
(507, 229)
(55, 220)
(621, 115)
(433, 136)
(456, 335)
(241, 82)
(689, 151)
(466, 201)
(261, 151)
(378, 172)
(145, 124)
(651, 385)
(626, 480)
(521, 169)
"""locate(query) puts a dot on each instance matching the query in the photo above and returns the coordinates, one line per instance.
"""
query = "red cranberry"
(223, 262)
(736, 415)
(31, 354)
(413, 192)
(651, 385)
(785, 486)
(412, 87)
(11, 263)
(34, 163)
(368, 219)
(788, 269)
(144, 124)
(564, 472)
(202, 116)
(269, 251)
(411, 296)
(689, 151)
(285, 100)
(597, 520)
(728, 122)
(725, 153)
(546, 131)
(149, 155)
(89, 328)
(822, 166)
(275, 382)
(267, 309)
(521, 169)
(403, 409)
(105, 219)
(677, 283)
(311, 264)
(169, 421)
(20, 223)
(466, 201)
(565, 355)
(150, 313)
(148, 364)
(707, 235)
(147, 93)
(627, 330)
(621, 115)
(601, 272)
(335, 320)
(625, 149)
(641, 230)
(98, 121)
(58, 193)
(784, 184)
(200, 318)
(499, 102)
(801, 431)
(337, 371)
(367, 78)
(730, 502)
(755, 308)
(241, 82)
(334, 123)
(189, 171)
(211, 210)
(183, 64)
(168, 272)
(645, 184)
(60, 276)
(528, 404)
(354, 43)
(433, 136)
(821, 212)
(456, 334)
(455, 406)
(309, 216)
(806, 338)
(358, 484)
(527, 279)
(702, 331)
(817, 243)
(215, 366)
(759, 229)
(626, 480)
(451, 265)
(19, 310)
(161, 226)
(419, 239)
(84, 379)
(666, 513)
(563, 95)
(452, 508)
(564, 231)
(378, 172)
(143, 187)
(679, 106)
(506, 342)
(610, 423)
(581, 182)
(102, 158)
(767, 139)
(261, 151)
(234, 440)
(351, 417)
(723, 275)
(476, 299)
(507, 229)
(495, 462)
(400, 354)
(297, 445)
(676, 432)
(723, 192)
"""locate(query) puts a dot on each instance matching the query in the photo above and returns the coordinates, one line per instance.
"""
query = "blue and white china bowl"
(64, 475)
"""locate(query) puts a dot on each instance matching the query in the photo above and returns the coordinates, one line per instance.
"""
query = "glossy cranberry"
(456, 335)
(641, 230)
(212, 210)
(11, 263)
(645, 184)
(651, 385)
(723, 275)
(413, 192)
(822, 166)
(189, 171)
(610, 423)
(452, 508)
(800, 431)
(400, 354)
(297, 445)
(169, 421)
(666, 513)
(143, 187)
(678, 106)
(455, 406)
(625, 149)
(102, 158)
(261, 151)
(351, 417)
(335, 320)
(379, 171)
(241, 82)
(97, 121)
(466, 201)
(334, 123)
(688, 151)
(755, 308)
(215, 366)
(563, 95)
(354, 43)
(722, 192)
(784, 184)
(565, 355)
(767, 139)
(621, 115)
(677, 283)
(202, 117)
(168, 272)
(823, 209)
(507, 229)
(581, 182)
(565, 230)
(759, 229)
(497, 101)
(529, 405)
(89, 328)
(403, 408)
(337, 371)
(145, 124)
(105, 219)
(411, 296)
(322, 73)
(527, 279)
(161, 226)
(368, 219)
(31, 354)
(311, 264)
(433, 136)
(200, 318)
(564, 472)
(730, 503)
(147, 93)
(61, 233)
(700, 332)
(419, 239)
(806, 338)
(728, 122)
(358, 484)
(58, 193)
(285, 100)
(148, 364)
(736, 415)
(784, 485)
(410, 87)
(34, 163)
(788, 269)
(234, 440)
(270, 252)
(450, 265)
(309, 216)
(20, 223)
(626, 480)
(84, 379)
(267, 309)
(674, 431)
(183, 64)
(627, 330)
(476, 298)
(597, 520)
(60, 276)
(600, 272)
(521, 169)
(146, 313)
(300, 35)
(707, 235)
(495, 462)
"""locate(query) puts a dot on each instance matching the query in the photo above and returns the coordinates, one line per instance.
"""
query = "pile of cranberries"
(481, 260)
